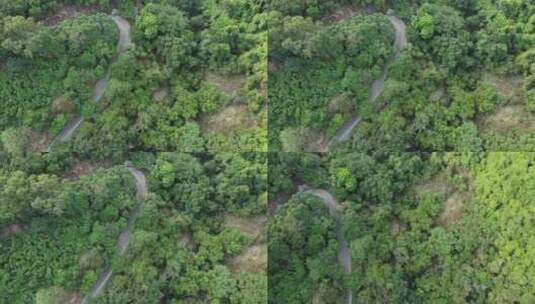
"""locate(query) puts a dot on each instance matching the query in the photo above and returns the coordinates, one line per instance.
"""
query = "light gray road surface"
(377, 85)
(100, 87)
(342, 254)
(141, 182)
(124, 237)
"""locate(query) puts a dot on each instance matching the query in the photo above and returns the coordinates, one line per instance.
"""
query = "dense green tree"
(301, 241)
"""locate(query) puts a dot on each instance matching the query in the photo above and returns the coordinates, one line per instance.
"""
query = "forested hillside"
(199, 236)
(462, 82)
(98, 202)
(193, 78)
(158, 151)
(421, 228)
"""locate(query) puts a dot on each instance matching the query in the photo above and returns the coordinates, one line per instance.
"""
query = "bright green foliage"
(506, 180)
(424, 23)
(74, 214)
(421, 228)
(342, 178)
(180, 246)
(16, 35)
(320, 64)
(51, 296)
(64, 59)
(302, 252)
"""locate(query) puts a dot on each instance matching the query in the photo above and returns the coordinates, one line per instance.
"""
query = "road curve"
(141, 182)
(124, 236)
(342, 253)
(100, 87)
(377, 85)
(141, 193)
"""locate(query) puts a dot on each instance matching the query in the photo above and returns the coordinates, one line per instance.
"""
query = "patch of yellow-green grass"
(69, 12)
(437, 184)
(506, 85)
(395, 227)
(39, 141)
(347, 12)
(508, 118)
(455, 199)
(452, 209)
(84, 167)
(160, 94)
(9, 230)
(319, 141)
(254, 226)
(273, 66)
(324, 293)
(55, 294)
(340, 103)
(90, 260)
(229, 120)
(228, 84)
(61, 104)
(253, 259)
(186, 241)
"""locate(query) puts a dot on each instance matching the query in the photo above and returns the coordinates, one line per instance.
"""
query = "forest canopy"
(188, 68)
(462, 82)
(59, 233)
(99, 200)
(420, 227)
(252, 152)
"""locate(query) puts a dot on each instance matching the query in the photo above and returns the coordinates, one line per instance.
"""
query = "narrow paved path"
(141, 193)
(342, 253)
(377, 85)
(141, 182)
(124, 237)
(101, 85)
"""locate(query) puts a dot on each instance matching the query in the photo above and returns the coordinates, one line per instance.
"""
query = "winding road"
(101, 85)
(124, 237)
(342, 254)
(343, 134)
(141, 182)
(377, 85)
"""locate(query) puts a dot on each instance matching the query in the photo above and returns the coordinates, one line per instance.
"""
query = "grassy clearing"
(253, 259)
(457, 196)
(10, 230)
(253, 227)
(508, 118)
(452, 209)
(437, 184)
(513, 116)
(345, 12)
(39, 141)
(507, 85)
(160, 94)
(69, 12)
(229, 120)
(229, 84)
(84, 167)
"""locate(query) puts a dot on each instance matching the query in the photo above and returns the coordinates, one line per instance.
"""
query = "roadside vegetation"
(58, 234)
(74, 211)
(178, 72)
(436, 94)
(444, 227)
